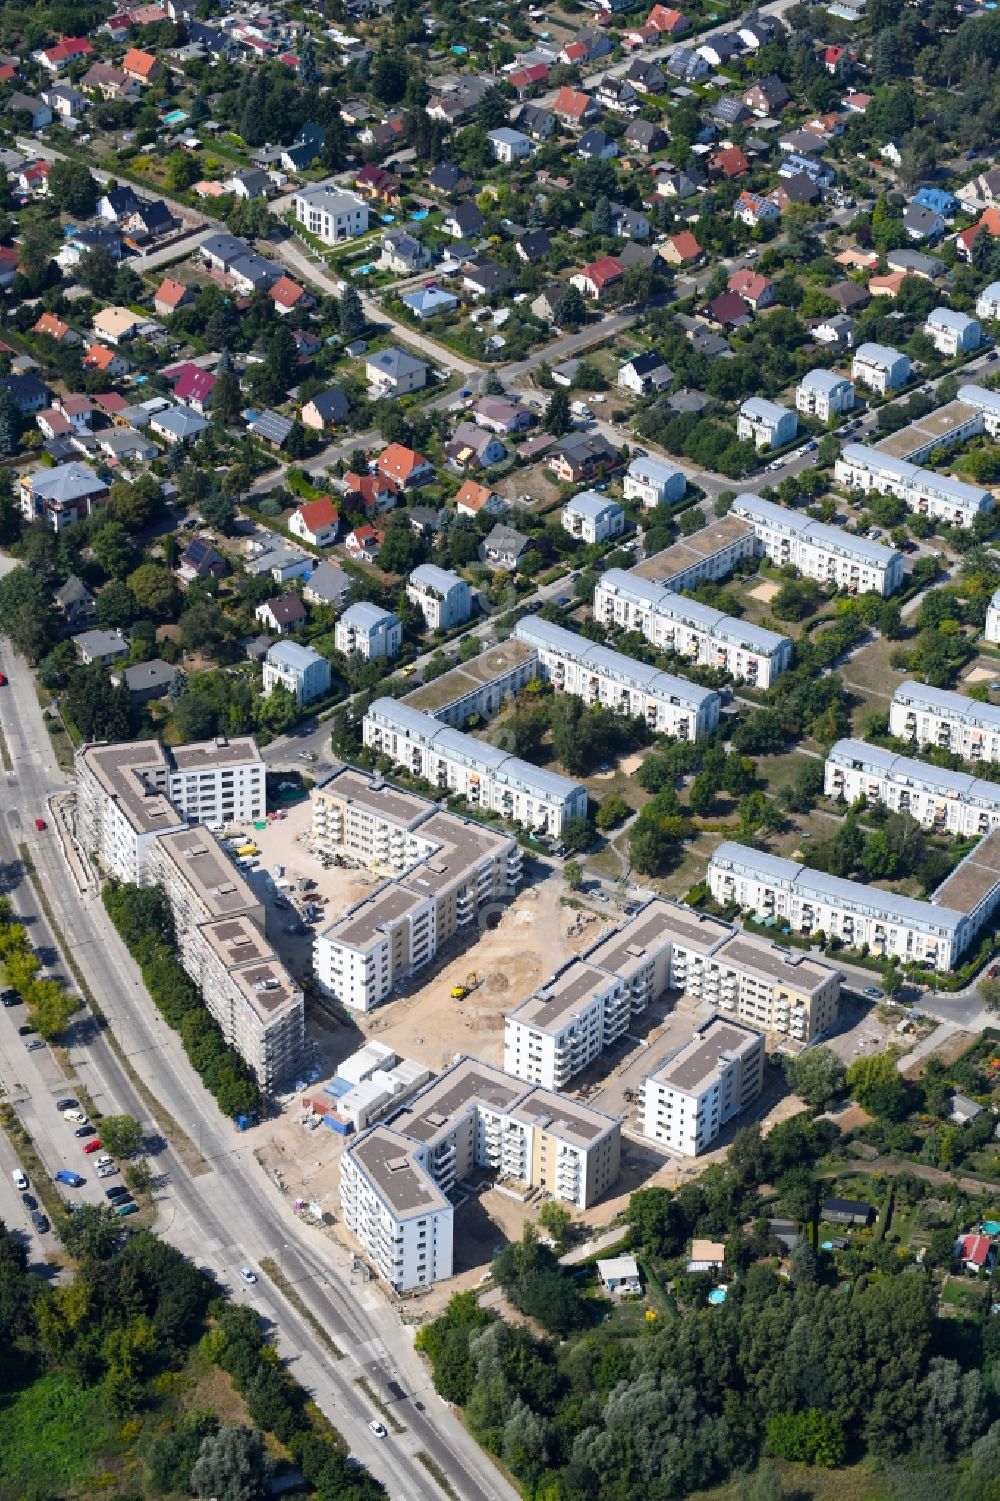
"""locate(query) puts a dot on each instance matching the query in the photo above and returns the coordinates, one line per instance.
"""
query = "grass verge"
(178, 1138)
(435, 1471)
(5, 760)
(376, 1401)
(41, 1181)
(281, 1282)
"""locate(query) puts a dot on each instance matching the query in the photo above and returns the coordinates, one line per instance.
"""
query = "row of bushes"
(49, 1005)
(143, 919)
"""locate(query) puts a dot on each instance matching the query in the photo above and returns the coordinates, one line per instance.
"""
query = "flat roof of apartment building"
(268, 987)
(469, 677)
(363, 926)
(201, 862)
(787, 966)
(660, 922)
(219, 752)
(693, 1066)
(110, 764)
(974, 878)
(462, 846)
(694, 549)
(939, 426)
(561, 997)
(394, 804)
(407, 1187)
(580, 1125)
(237, 940)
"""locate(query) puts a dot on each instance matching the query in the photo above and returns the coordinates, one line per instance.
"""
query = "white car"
(78, 1117)
(108, 1170)
(104, 1159)
(20, 1180)
(379, 1429)
(249, 1277)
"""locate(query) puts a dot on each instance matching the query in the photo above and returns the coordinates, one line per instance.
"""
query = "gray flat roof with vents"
(394, 804)
(791, 965)
(407, 1187)
(562, 997)
(203, 865)
(237, 940)
(658, 923)
(363, 926)
(462, 846)
(451, 1096)
(697, 1062)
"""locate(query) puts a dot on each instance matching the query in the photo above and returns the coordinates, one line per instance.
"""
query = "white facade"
(566, 1025)
(879, 368)
(508, 145)
(935, 716)
(823, 394)
(392, 1206)
(988, 301)
(945, 801)
(573, 664)
(592, 517)
(986, 403)
(441, 595)
(699, 1088)
(302, 670)
(331, 214)
(370, 630)
(704, 635)
(992, 628)
(653, 482)
(766, 423)
(825, 553)
(923, 490)
(811, 901)
(952, 333)
(251, 995)
(484, 776)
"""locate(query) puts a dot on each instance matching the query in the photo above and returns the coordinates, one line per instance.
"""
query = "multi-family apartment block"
(825, 553)
(589, 1004)
(573, 664)
(672, 622)
(477, 687)
(441, 596)
(127, 794)
(879, 368)
(952, 333)
(923, 490)
(484, 776)
(950, 721)
(767, 424)
(702, 1085)
(654, 482)
(201, 884)
(395, 1178)
(364, 954)
(824, 394)
(330, 214)
(370, 630)
(946, 801)
(365, 818)
(593, 517)
(935, 932)
(992, 628)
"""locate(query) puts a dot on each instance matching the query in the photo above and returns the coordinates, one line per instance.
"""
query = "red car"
(93, 1146)
(40, 824)
(3, 679)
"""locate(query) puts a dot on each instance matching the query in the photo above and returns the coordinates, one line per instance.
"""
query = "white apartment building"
(766, 423)
(566, 1025)
(202, 885)
(301, 669)
(987, 403)
(705, 635)
(592, 517)
(251, 995)
(929, 494)
(370, 630)
(365, 818)
(463, 867)
(485, 776)
(952, 333)
(479, 686)
(331, 214)
(992, 628)
(395, 1178)
(654, 482)
(129, 793)
(689, 1097)
(825, 553)
(573, 664)
(708, 555)
(945, 801)
(935, 716)
(988, 301)
(824, 394)
(935, 933)
(441, 595)
(879, 368)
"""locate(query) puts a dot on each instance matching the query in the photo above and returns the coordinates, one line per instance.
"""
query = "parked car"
(34, 1045)
(94, 1146)
(10, 997)
(248, 1276)
(67, 1104)
(873, 993)
(40, 1221)
(64, 1175)
(26, 1030)
(126, 1207)
(117, 1193)
(40, 824)
(82, 1131)
(20, 1179)
(72, 1112)
(379, 1429)
(107, 1170)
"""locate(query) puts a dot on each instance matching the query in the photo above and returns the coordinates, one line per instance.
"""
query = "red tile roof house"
(55, 58)
(193, 386)
(404, 467)
(142, 66)
(751, 209)
(170, 295)
(753, 287)
(474, 498)
(668, 22)
(595, 279)
(524, 80)
(976, 1253)
(317, 522)
(990, 221)
(728, 311)
(53, 423)
(729, 162)
(363, 543)
(682, 249)
(575, 107)
(369, 492)
(287, 295)
(58, 331)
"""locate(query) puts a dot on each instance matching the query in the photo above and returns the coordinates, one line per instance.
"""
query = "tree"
(154, 589)
(701, 798)
(10, 423)
(556, 1219)
(96, 271)
(225, 396)
(600, 217)
(989, 993)
(577, 834)
(352, 313)
(116, 607)
(232, 1465)
(573, 872)
(26, 615)
(493, 108)
(73, 188)
(570, 309)
(218, 512)
(121, 1135)
(114, 551)
(875, 1082)
(818, 1075)
(557, 419)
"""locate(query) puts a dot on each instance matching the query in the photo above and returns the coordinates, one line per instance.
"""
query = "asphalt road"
(229, 1214)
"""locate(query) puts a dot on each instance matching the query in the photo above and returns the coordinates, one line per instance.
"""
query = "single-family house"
(599, 277)
(463, 222)
(976, 1252)
(61, 496)
(363, 543)
(753, 287)
(620, 1275)
(681, 249)
(144, 67)
(194, 386)
(169, 296)
(644, 373)
(78, 605)
(595, 145)
(429, 302)
(508, 145)
(503, 547)
(574, 107)
(403, 253)
(146, 681)
(474, 499)
(645, 136)
(766, 96)
(394, 372)
(592, 517)
(767, 423)
(752, 209)
(854, 1212)
(474, 447)
(178, 424)
(500, 415)
(581, 457)
(284, 613)
(331, 214)
(403, 467)
(441, 595)
(325, 410)
(316, 522)
(328, 585)
(200, 560)
(922, 223)
(38, 112)
(101, 647)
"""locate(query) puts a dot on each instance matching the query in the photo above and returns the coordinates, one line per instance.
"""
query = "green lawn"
(49, 1435)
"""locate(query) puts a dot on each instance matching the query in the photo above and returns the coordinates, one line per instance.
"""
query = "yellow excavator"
(459, 992)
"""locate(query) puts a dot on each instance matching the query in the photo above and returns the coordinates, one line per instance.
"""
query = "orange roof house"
(141, 65)
(668, 22)
(403, 466)
(170, 295)
(287, 294)
(56, 329)
(681, 249)
(990, 221)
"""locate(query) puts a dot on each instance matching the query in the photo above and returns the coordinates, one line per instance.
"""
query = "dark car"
(26, 1029)
(40, 1221)
(10, 998)
(29, 1201)
(82, 1131)
(121, 1192)
(67, 1104)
